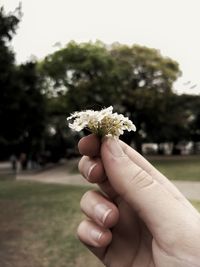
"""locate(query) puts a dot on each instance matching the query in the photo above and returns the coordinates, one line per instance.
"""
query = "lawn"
(174, 167)
(178, 168)
(38, 226)
(38, 221)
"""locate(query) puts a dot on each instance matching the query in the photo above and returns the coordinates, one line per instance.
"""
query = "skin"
(139, 219)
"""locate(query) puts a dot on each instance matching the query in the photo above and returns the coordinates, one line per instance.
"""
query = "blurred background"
(57, 57)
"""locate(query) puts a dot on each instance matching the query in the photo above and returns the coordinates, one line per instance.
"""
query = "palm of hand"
(132, 243)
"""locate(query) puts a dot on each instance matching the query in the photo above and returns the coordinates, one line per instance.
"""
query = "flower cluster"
(101, 123)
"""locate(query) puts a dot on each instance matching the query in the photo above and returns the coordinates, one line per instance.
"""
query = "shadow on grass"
(38, 226)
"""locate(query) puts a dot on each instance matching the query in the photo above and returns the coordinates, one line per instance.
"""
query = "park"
(40, 212)
(40, 185)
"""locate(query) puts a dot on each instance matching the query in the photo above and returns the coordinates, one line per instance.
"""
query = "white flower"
(103, 122)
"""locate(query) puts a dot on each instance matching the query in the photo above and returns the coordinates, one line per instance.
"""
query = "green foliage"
(141, 67)
(192, 106)
(8, 24)
(32, 107)
(22, 103)
(90, 75)
(9, 93)
(23, 110)
(79, 72)
(36, 97)
(136, 80)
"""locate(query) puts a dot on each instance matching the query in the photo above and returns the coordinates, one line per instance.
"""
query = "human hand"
(140, 219)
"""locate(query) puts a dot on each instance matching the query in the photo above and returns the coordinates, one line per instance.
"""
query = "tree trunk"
(175, 150)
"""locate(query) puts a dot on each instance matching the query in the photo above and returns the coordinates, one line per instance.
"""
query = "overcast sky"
(172, 26)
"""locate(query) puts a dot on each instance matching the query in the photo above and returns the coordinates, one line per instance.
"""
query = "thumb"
(151, 200)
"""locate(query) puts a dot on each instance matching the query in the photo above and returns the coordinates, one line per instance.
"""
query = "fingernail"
(89, 169)
(114, 147)
(95, 234)
(102, 212)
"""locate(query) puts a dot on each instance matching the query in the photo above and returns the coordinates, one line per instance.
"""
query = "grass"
(38, 226)
(174, 167)
(38, 221)
(196, 204)
(178, 168)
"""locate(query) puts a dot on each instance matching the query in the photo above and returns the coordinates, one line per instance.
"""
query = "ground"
(40, 213)
(186, 167)
(38, 226)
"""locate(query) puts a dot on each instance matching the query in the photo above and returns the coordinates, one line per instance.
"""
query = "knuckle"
(80, 164)
(86, 198)
(140, 180)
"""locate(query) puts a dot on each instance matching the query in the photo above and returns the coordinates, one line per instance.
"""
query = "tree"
(191, 104)
(132, 79)
(75, 76)
(147, 78)
(82, 74)
(103, 75)
(22, 101)
(32, 112)
(9, 97)
(142, 67)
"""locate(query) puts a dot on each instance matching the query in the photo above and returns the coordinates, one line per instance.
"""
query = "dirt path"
(60, 175)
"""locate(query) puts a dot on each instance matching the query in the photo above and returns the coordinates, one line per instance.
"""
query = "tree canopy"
(22, 103)
(8, 99)
(134, 79)
(36, 97)
(95, 74)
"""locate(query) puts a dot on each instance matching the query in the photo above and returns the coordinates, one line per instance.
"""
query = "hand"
(140, 219)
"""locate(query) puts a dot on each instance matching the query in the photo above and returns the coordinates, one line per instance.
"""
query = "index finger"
(89, 145)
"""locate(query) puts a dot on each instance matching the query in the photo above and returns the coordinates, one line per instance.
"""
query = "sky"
(171, 26)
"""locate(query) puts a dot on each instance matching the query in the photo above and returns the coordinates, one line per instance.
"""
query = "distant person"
(140, 219)
(23, 161)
